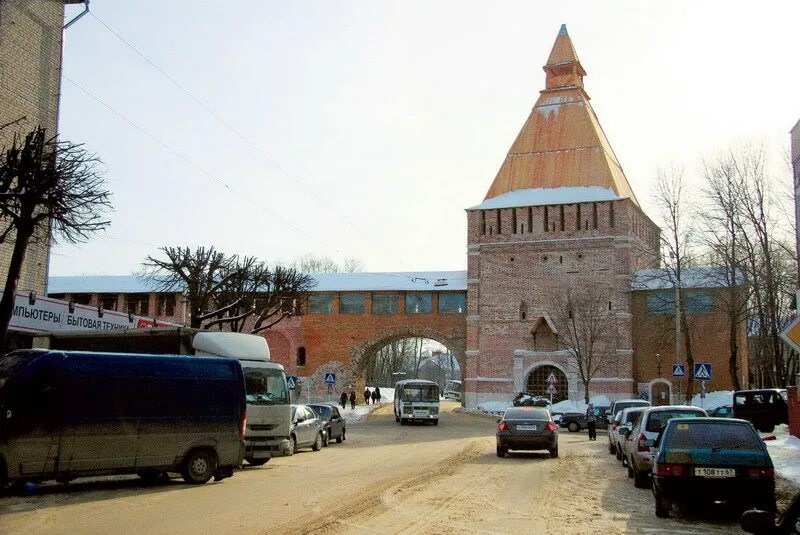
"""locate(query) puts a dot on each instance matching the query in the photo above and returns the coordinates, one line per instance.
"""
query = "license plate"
(526, 428)
(420, 414)
(715, 472)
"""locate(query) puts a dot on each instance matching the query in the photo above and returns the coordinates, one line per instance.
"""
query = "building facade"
(30, 81)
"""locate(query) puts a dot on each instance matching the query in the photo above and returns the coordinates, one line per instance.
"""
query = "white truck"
(269, 409)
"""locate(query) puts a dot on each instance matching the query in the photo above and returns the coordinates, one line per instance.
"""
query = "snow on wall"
(547, 196)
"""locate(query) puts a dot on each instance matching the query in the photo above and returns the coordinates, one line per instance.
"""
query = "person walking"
(352, 399)
(590, 422)
(375, 396)
(366, 396)
(378, 393)
(343, 399)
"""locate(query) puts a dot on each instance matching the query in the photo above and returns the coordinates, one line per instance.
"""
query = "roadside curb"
(480, 414)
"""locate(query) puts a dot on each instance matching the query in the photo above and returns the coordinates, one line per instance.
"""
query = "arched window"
(523, 310)
(301, 356)
(538, 383)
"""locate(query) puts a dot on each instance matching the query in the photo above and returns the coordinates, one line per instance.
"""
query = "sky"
(364, 129)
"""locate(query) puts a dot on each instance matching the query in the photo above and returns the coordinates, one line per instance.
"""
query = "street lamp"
(658, 364)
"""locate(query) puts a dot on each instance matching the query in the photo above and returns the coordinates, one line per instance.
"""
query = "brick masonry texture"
(30, 68)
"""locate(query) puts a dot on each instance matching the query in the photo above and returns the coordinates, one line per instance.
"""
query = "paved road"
(385, 478)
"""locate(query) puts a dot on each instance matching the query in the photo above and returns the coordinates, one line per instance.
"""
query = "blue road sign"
(678, 370)
(330, 378)
(291, 381)
(702, 371)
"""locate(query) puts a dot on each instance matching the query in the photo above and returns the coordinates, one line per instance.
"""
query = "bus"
(416, 400)
(453, 390)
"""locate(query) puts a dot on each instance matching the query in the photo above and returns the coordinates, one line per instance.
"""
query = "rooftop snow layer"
(699, 277)
(547, 196)
(326, 282)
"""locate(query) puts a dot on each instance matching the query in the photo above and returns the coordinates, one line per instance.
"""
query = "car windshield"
(526, 413)
(658, 419)
(701, 435)
(266, 386)
(420, 393)
(626, 404)
(323, 410)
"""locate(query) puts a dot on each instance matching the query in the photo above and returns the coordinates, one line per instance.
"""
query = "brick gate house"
(559, 233)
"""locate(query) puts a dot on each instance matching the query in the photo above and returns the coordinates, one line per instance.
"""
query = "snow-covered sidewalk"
(785, 453)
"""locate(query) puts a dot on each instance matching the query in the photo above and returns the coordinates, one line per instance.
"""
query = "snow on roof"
(326, 282)
(547, 196)
(698, 277)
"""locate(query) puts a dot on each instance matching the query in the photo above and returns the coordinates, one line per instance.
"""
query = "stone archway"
(536, 380)
(362, 355)
(660, 392)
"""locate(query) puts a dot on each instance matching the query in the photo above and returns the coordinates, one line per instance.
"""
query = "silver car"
(625, 420)
(651, 421)
(307, 429)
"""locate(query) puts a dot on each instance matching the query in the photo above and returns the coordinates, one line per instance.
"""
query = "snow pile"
(713, 400)
(562, 407)
(785, 453)
(494, 407)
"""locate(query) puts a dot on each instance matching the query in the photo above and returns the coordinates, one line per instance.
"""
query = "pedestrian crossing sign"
(330, 378)
(291, 382)
(702, 371)
(678, 370)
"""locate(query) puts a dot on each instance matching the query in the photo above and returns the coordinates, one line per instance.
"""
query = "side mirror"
(758, 522)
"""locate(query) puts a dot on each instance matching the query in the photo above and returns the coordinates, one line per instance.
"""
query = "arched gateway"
(538, 382)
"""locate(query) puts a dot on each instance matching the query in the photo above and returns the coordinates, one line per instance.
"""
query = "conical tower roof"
(562, 143)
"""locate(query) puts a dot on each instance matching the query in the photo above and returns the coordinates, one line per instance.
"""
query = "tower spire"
(563, 67)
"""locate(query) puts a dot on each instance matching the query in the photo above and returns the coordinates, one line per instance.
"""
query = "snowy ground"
(785, 453)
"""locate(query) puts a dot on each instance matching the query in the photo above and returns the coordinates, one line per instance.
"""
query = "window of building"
(694, 302)
(320, 304)
(662, 302)
(108, 301)
(514, 220)
(563, 222)
(530, 219)
(419, 302)
(351, 303)
(483, 221)
(594, 215)
(301, 356)
(546, 219)
(523, 310)
(698, 302)
(385, 303)
(499, 222)
(82, 299)
(611, 214)
(452, 303)
(138, 304)
(166, 305)
(578, 217)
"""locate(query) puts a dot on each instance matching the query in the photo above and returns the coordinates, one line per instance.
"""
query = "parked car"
(307, 429)
(527, 428)
(334, 426)
(620, 404)
(764, 408)
(647, 428)
(711, 459)
(575, 421)
(625, 419)
(765, 522)
(70, 414)
(724, 411)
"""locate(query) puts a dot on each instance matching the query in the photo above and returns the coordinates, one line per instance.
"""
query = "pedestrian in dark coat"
(374, 397)
(366, 396)
(352, 399)
(343, 400)
(378, 392)
(590, 422)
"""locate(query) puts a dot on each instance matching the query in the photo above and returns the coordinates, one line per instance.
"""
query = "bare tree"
(279, 296)
(587, 329)
(45, 182)
(311, 263)
(352, 264)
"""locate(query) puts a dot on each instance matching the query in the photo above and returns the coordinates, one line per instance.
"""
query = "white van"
(416, 400)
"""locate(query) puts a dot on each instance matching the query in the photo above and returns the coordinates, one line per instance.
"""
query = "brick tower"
(560, 226)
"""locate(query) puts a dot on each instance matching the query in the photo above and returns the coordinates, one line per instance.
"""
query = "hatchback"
(306, 429)
(711, 459)
(527, 428)
(647, 428)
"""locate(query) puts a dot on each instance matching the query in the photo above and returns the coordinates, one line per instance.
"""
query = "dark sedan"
(527, 428)
(335, 426)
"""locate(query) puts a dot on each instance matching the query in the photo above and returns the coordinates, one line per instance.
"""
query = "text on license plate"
(526, 427)
(420, 414)
(715, 472)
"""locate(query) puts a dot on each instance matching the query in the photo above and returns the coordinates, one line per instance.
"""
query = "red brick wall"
(794, 410)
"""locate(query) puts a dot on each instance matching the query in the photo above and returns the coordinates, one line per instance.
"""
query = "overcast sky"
(365, 128)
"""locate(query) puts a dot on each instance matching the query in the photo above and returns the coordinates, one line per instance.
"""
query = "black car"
(335, 426)
(527, 428)
(765, 408)
(575, 421)
(711, 459)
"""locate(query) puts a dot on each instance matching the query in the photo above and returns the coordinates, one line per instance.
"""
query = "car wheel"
(641, 479)
(501, 452)
(611, 449)
(436, 422)
(257, 462)
(574, 427)
(199, 466)
(630, 470)
(662, 505)
(343, 434)
(317, 445)
(292, 444)
(619, 454)
(326, 438)
(553, 452)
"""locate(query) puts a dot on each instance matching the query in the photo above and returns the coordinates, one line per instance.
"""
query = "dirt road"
(385, 478)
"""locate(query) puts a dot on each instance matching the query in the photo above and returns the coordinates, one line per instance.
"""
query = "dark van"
(764, 408)
(67, 414)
